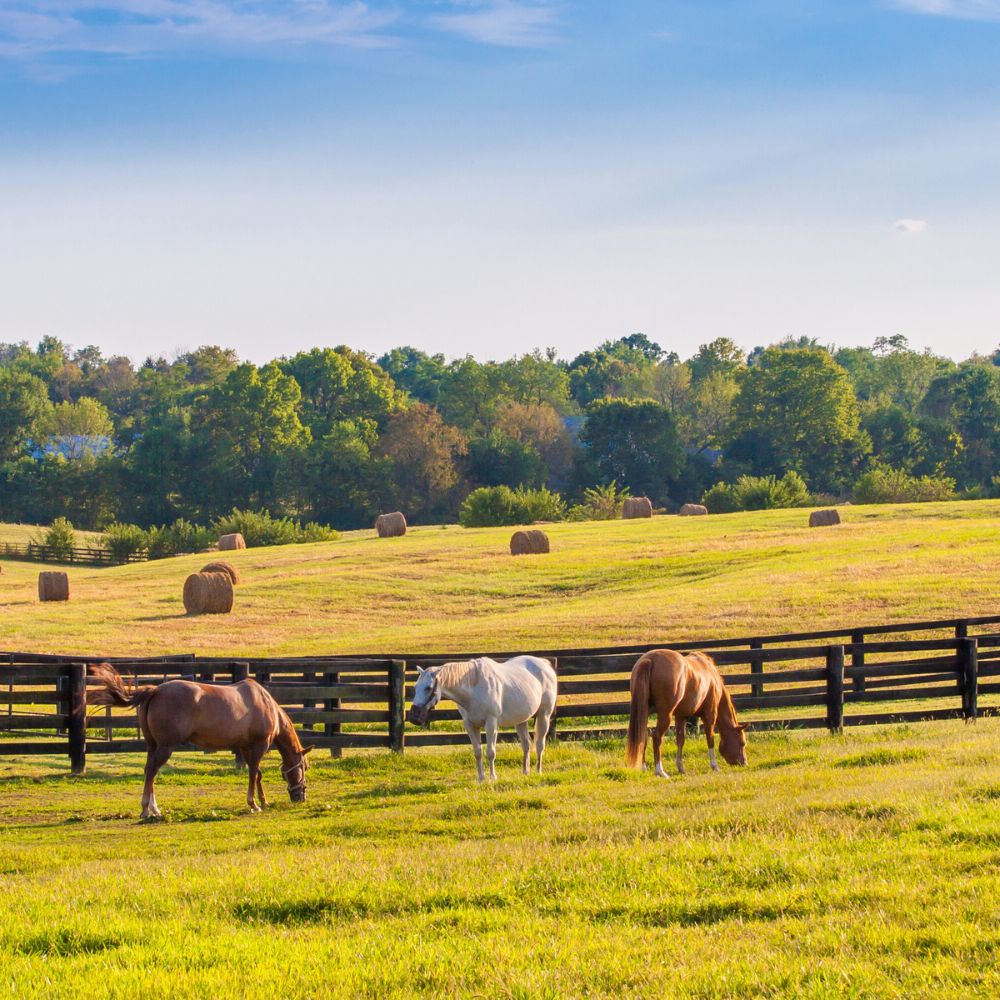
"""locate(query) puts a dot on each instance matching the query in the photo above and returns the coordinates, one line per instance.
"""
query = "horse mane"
(452, 674)
(727, 700)
(289, 727)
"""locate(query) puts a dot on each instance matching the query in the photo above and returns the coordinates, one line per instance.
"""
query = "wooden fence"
(78, 555)
(800, 680)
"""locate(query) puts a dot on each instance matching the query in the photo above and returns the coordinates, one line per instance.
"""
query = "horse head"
(294, 773)
(733, 745)
(425, 696)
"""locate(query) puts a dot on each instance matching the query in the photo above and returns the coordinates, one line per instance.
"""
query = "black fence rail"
(358, 702)
(78, 555)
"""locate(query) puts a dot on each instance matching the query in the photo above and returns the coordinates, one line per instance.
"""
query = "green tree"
(423, 453)
(24, 411)
(633, 441)
(720, 357)
(796, 410)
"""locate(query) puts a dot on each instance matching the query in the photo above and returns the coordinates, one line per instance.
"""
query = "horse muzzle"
(418, 716)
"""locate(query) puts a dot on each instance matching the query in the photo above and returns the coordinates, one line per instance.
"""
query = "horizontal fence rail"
(800, 680)
(77, 555)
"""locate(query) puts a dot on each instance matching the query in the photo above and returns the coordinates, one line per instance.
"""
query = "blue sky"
(489, 176)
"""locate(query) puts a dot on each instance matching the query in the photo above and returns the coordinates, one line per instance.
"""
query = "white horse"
(490, 695)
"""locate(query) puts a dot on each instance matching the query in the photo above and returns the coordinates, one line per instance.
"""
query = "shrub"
(757, 493)
(493, 505)
(883, 484)
(258, 527)
(600, 503)
(179, 537)
(60, 538)
(123, 541)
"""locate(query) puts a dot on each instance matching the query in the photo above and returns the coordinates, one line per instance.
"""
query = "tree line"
(335, 436)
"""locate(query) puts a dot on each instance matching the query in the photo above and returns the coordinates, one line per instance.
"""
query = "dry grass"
(455, 589)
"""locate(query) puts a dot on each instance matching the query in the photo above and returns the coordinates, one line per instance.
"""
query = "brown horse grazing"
(241, 717)
(681, 687)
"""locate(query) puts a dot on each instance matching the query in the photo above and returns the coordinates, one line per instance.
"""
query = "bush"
(123, 541)
(883, 484)
(60, 538)
(493, 505)
(600, 503)
(180, 537)
(258, 527)
(757, 493)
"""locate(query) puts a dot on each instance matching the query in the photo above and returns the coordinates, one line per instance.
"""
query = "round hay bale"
(529, 543)
(208, 594)
(822, 518)
(228, 543)
(692, 510)
(390, 525)
(636, 507)
(53, 586)
(223, 567)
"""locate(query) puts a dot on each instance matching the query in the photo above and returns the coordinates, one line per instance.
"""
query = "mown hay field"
(444, 589)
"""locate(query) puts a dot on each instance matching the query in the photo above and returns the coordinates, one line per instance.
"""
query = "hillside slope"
(604, 582)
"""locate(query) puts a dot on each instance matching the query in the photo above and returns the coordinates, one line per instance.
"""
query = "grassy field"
(441, 589)
(857, 865)
(861, 865)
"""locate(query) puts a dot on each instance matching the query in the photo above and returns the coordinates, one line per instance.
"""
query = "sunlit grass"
(857, 865)
(604, 582)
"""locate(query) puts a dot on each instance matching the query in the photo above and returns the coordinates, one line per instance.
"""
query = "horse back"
(682, 684)
(213, 716)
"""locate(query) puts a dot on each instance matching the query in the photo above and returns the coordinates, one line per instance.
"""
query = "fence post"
(961, 630)
(968, 658)
(397, 704)
(756, 667)
(858, 660)
(240, 672)
(76, 711)
(835, 688)
(332, 705)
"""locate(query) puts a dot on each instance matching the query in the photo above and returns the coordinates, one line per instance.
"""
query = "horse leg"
(522, 732)
(260, 789)
(709, 724)
(662, 725)
(477, 747)
(543, 723)
(253, 756)
(492, 726)
(680, 728)
(156, 757)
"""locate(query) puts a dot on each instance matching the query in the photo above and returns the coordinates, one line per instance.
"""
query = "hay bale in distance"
(821, 518)
(223, 567)
(390, 525)
(636, 507)
(529, 543)
(692, 510)
(53, 585)
(228, 543)
(208, 594)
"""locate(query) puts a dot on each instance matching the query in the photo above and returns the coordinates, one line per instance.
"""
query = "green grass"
(606, 582)
(860, 865)
(857, 865)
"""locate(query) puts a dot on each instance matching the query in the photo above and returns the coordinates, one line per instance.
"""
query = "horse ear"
(742, 727)
(308, 749)
(420, 669)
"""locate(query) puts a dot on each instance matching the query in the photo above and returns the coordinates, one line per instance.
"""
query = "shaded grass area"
(862, 865)
(452, 589)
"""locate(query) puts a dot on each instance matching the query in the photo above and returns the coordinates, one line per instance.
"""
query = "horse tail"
(638, 716)
(113, 690)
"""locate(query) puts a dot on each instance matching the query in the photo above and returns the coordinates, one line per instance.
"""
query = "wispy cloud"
(913, 227)
(514, 23)
(966, 10)
(32, 28)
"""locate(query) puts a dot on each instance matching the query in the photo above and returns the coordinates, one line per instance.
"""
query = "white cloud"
(514, 23)
(966, 10)
(31, 28)
(912, 226)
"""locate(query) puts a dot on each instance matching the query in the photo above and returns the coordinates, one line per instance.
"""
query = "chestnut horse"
(242, 717)
(679, 688)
